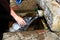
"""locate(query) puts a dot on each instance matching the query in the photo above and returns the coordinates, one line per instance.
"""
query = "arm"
(19, 19)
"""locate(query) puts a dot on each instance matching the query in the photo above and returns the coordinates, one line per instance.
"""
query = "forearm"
(17, 18)
(14, 15)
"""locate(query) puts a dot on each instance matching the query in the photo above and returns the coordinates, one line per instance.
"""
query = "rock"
(25, 5)
(40, 13)
(31, 35)
(51, 12)
(51, 36)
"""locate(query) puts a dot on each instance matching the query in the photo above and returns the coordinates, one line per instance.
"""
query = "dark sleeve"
(4, 14)
(4, 7)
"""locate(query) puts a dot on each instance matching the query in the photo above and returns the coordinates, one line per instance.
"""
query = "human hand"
(18, 19)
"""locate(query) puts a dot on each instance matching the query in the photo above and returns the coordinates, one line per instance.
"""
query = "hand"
(19, 19)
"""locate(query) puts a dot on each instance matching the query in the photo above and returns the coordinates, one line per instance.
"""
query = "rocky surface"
(31, 35)
(51, 13)
(25, 5)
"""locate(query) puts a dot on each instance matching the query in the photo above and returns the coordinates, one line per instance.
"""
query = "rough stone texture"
(51, 12)
(31, 35)
(51, 36)
(28, 14)
(52, 15)
(25, 5)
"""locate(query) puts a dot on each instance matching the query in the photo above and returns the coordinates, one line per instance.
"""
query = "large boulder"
(25, 5)
(51, 13)
(31, 35)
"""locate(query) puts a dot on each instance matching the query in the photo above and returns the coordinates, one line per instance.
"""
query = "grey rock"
(51, 12)
(21, 36)
(51, 36)
(25, 5)
(31, 35)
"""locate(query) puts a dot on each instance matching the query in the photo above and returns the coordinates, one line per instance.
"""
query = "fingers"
(21, 22)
